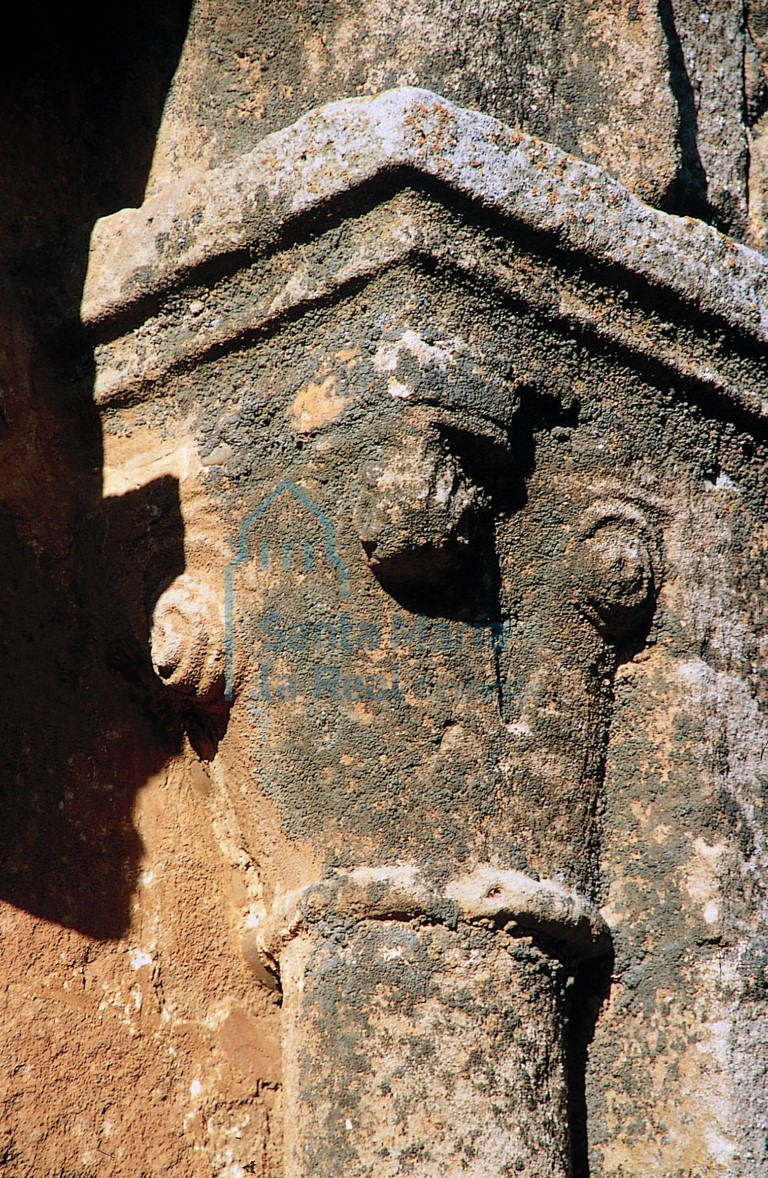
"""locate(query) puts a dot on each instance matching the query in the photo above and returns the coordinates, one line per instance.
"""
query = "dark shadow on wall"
(82, 725)
(687, 195)
(591, 989)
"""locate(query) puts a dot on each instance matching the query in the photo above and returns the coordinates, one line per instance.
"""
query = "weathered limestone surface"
(667, 96)
(385, 519)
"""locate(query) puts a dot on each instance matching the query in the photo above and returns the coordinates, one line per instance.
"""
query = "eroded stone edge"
(139, 252)
(402, 893)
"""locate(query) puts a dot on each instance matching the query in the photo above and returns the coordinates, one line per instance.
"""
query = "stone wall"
(384, 733)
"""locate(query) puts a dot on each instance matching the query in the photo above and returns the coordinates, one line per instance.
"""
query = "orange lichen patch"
(317, 404)
(347, 354)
